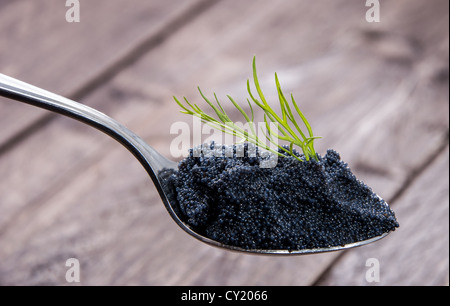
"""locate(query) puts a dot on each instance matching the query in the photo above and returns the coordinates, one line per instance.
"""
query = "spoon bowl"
(154, 163)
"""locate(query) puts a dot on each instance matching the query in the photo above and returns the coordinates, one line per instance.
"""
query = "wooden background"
(376, 92)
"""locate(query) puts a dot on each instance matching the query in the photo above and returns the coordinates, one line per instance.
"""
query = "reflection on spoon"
(157, 166)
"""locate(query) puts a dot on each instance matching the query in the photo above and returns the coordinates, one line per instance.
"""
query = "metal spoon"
(152, 161)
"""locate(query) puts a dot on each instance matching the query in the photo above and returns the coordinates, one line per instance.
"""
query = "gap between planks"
(129, 57)
(232, 258)
(415, 174)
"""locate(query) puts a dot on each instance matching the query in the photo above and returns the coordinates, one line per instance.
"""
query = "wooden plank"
(417, 253)
(103, 210)
(113, 209)
(40, 47)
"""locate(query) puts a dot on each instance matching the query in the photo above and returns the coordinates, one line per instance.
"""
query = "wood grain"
(418, 250)
(366, 88)
(40, 47)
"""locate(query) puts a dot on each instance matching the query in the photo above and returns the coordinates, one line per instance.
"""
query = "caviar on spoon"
(165, 175)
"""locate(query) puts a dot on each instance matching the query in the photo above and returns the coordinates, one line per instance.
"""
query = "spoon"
(151, 160)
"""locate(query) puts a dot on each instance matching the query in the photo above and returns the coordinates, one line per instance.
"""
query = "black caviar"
(230, 198)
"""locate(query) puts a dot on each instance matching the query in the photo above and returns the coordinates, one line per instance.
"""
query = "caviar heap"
(294, 205)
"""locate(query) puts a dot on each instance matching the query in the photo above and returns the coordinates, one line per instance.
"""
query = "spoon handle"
(23, 92)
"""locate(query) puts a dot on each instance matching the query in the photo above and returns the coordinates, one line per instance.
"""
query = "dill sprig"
(282, 126)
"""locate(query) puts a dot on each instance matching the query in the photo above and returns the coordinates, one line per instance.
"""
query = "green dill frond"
(287, 127)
